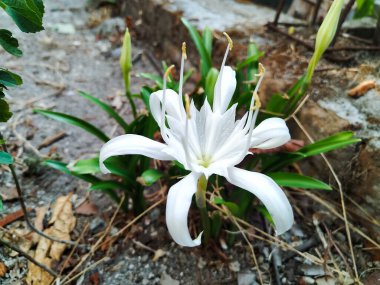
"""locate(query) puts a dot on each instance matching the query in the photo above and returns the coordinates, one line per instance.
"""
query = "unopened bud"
(126, 59)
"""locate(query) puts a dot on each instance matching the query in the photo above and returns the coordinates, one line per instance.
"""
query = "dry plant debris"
(61, 224)
(362, 88)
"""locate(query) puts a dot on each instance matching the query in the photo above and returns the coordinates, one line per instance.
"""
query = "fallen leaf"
(362, 88)
(86, 208)
(117, 102)
(3, 270)
(8, 219)
(61, 224)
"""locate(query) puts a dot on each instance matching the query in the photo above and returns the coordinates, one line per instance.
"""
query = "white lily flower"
(208, 141)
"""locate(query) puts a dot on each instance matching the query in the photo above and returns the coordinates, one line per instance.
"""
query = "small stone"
(312, 270)
(308, 280)
(246, 278)
(151, 275)
(166, 279)
(326, 280)
(201, 263)
(145, 282)
(234, 266)
(131, 266)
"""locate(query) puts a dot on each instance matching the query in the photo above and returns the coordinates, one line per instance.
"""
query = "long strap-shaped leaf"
(333, 142)
(199, 44)
(288, 179)
(74, 121)
(110, 111)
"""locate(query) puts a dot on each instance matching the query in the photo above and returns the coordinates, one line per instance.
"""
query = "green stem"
(132, 103)
(200, 198)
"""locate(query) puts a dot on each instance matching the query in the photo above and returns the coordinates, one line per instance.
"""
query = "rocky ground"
(79, 50)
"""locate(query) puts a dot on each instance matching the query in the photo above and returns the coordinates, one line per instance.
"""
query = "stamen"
(251, 107)
(184, 50)
(255, 106)
(230, 42)
(183, 58)
(186, 137)
(218, 85)
(187, 106)
(166, 76)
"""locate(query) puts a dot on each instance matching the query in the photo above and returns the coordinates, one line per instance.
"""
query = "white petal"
(132, 144)
(270, 133)
(268, 192)
(177, 209)
(224, 89)
(172, 106)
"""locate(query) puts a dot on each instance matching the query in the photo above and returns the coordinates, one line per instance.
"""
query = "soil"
(70, 56)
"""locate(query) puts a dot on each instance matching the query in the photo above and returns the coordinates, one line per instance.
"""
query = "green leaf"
(288, 179)
(74, 121)
(333, 142)
(109, 110)
(150, 176)
(1, 204)
(5, 158)
(27, 14)
(207, 40)
(206, 62)
(234, 208)
(252, 68)
(108, 187)
(263, 211)
(212, 77)
(364, 8)
(61, 166)
(9, 43)
(5, 114)
(85, 166)
(157, 79)
(249, 60)
(9, 79)
(145, 95)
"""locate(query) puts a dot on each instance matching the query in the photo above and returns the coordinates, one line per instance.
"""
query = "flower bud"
(126, 59)
(325, 35)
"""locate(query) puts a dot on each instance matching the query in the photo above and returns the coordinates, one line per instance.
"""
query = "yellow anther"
(168, 71)
(229, 40)
(187, 106)
(184, 50)
(257, 101)
(261, 70)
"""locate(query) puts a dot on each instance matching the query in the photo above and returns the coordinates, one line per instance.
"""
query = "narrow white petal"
(224, 90)
(270, 133)
(172, 105)
(132, 144)
(268, 192)
(177, 209)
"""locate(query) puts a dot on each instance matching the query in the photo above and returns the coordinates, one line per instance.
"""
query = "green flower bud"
(325, 35)
(126, 59)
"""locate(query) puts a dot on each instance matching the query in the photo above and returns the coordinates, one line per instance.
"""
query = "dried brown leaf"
(3, 269)
(47, 251)
(86, 208)
(362, 88)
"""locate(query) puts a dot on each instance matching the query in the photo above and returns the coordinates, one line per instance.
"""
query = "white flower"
(208, 141)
